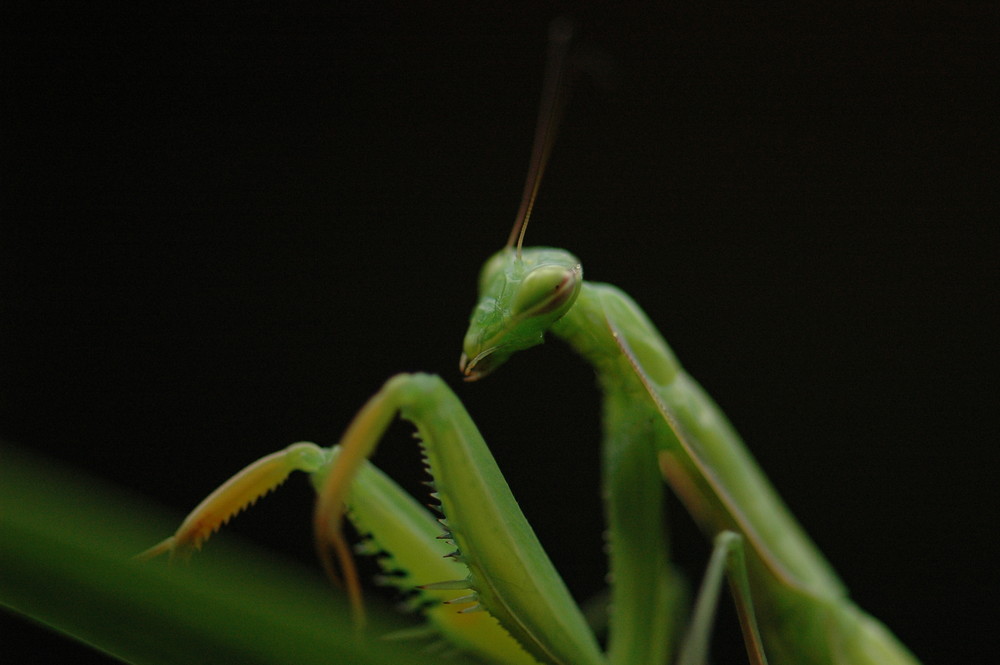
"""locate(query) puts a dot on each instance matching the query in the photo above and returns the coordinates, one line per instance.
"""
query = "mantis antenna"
(549, 114)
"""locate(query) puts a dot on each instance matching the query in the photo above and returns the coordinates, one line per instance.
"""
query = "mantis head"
(521, 294)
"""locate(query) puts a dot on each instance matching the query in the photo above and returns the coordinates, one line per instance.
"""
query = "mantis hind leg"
(727, 559)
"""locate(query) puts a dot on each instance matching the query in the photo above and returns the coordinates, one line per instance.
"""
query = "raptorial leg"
(237, 493)
(727, 559)
(509, 573)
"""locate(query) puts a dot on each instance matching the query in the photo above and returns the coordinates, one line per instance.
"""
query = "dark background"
(221, 232)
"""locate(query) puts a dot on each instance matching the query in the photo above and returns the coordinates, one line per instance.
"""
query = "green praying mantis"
(479, 573)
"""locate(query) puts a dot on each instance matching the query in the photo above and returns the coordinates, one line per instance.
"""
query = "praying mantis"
(480, 574)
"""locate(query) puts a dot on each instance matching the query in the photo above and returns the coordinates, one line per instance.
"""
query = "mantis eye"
(545, 289)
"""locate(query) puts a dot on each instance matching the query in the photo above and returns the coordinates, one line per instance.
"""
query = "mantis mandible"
(480, 574)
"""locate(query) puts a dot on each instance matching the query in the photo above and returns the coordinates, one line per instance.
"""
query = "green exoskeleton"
(480, 574)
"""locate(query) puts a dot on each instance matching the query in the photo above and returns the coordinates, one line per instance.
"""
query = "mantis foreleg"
(499, 562)
(510, 574)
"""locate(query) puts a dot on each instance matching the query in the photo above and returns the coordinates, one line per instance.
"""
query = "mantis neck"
(586, 329)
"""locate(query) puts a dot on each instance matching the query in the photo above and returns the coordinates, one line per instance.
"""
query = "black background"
(221, 232)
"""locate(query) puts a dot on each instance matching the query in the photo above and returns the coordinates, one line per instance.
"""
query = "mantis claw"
(234, 495)
(165, 546)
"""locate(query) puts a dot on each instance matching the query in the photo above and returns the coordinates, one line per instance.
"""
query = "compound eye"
(545, 289)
